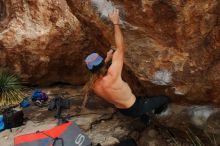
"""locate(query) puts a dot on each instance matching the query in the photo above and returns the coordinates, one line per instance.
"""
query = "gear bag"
(2, 124)
(39, 95)
(13, 118)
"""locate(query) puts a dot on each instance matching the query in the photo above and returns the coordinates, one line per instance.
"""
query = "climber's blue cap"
(93, 61)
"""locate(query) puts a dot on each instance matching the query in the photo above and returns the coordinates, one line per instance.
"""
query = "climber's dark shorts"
(145, 105)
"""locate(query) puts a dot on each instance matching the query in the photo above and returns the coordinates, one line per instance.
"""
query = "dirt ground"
(101, 122)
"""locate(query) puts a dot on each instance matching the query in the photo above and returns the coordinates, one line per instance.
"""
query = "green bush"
(11, 89)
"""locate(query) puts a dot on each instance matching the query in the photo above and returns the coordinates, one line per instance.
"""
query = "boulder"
(43, 42)
(172, 47)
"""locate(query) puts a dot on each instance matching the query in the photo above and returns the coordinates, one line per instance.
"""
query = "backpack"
(25, 103)
(13, 118)
(2, 125)
(39, 95)
(59, 103)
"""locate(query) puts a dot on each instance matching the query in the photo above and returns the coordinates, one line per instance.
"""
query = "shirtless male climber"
(106, 80)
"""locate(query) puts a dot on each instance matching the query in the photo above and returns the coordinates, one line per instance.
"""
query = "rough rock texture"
(43, 41)
(172, 46)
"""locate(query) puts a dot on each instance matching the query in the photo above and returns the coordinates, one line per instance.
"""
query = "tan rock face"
(173, 46)
(44, 42)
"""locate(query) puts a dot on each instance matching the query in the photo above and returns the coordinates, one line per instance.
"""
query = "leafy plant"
(10, 89)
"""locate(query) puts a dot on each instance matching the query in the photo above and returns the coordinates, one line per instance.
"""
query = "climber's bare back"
(115, 91)
(111, 87)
